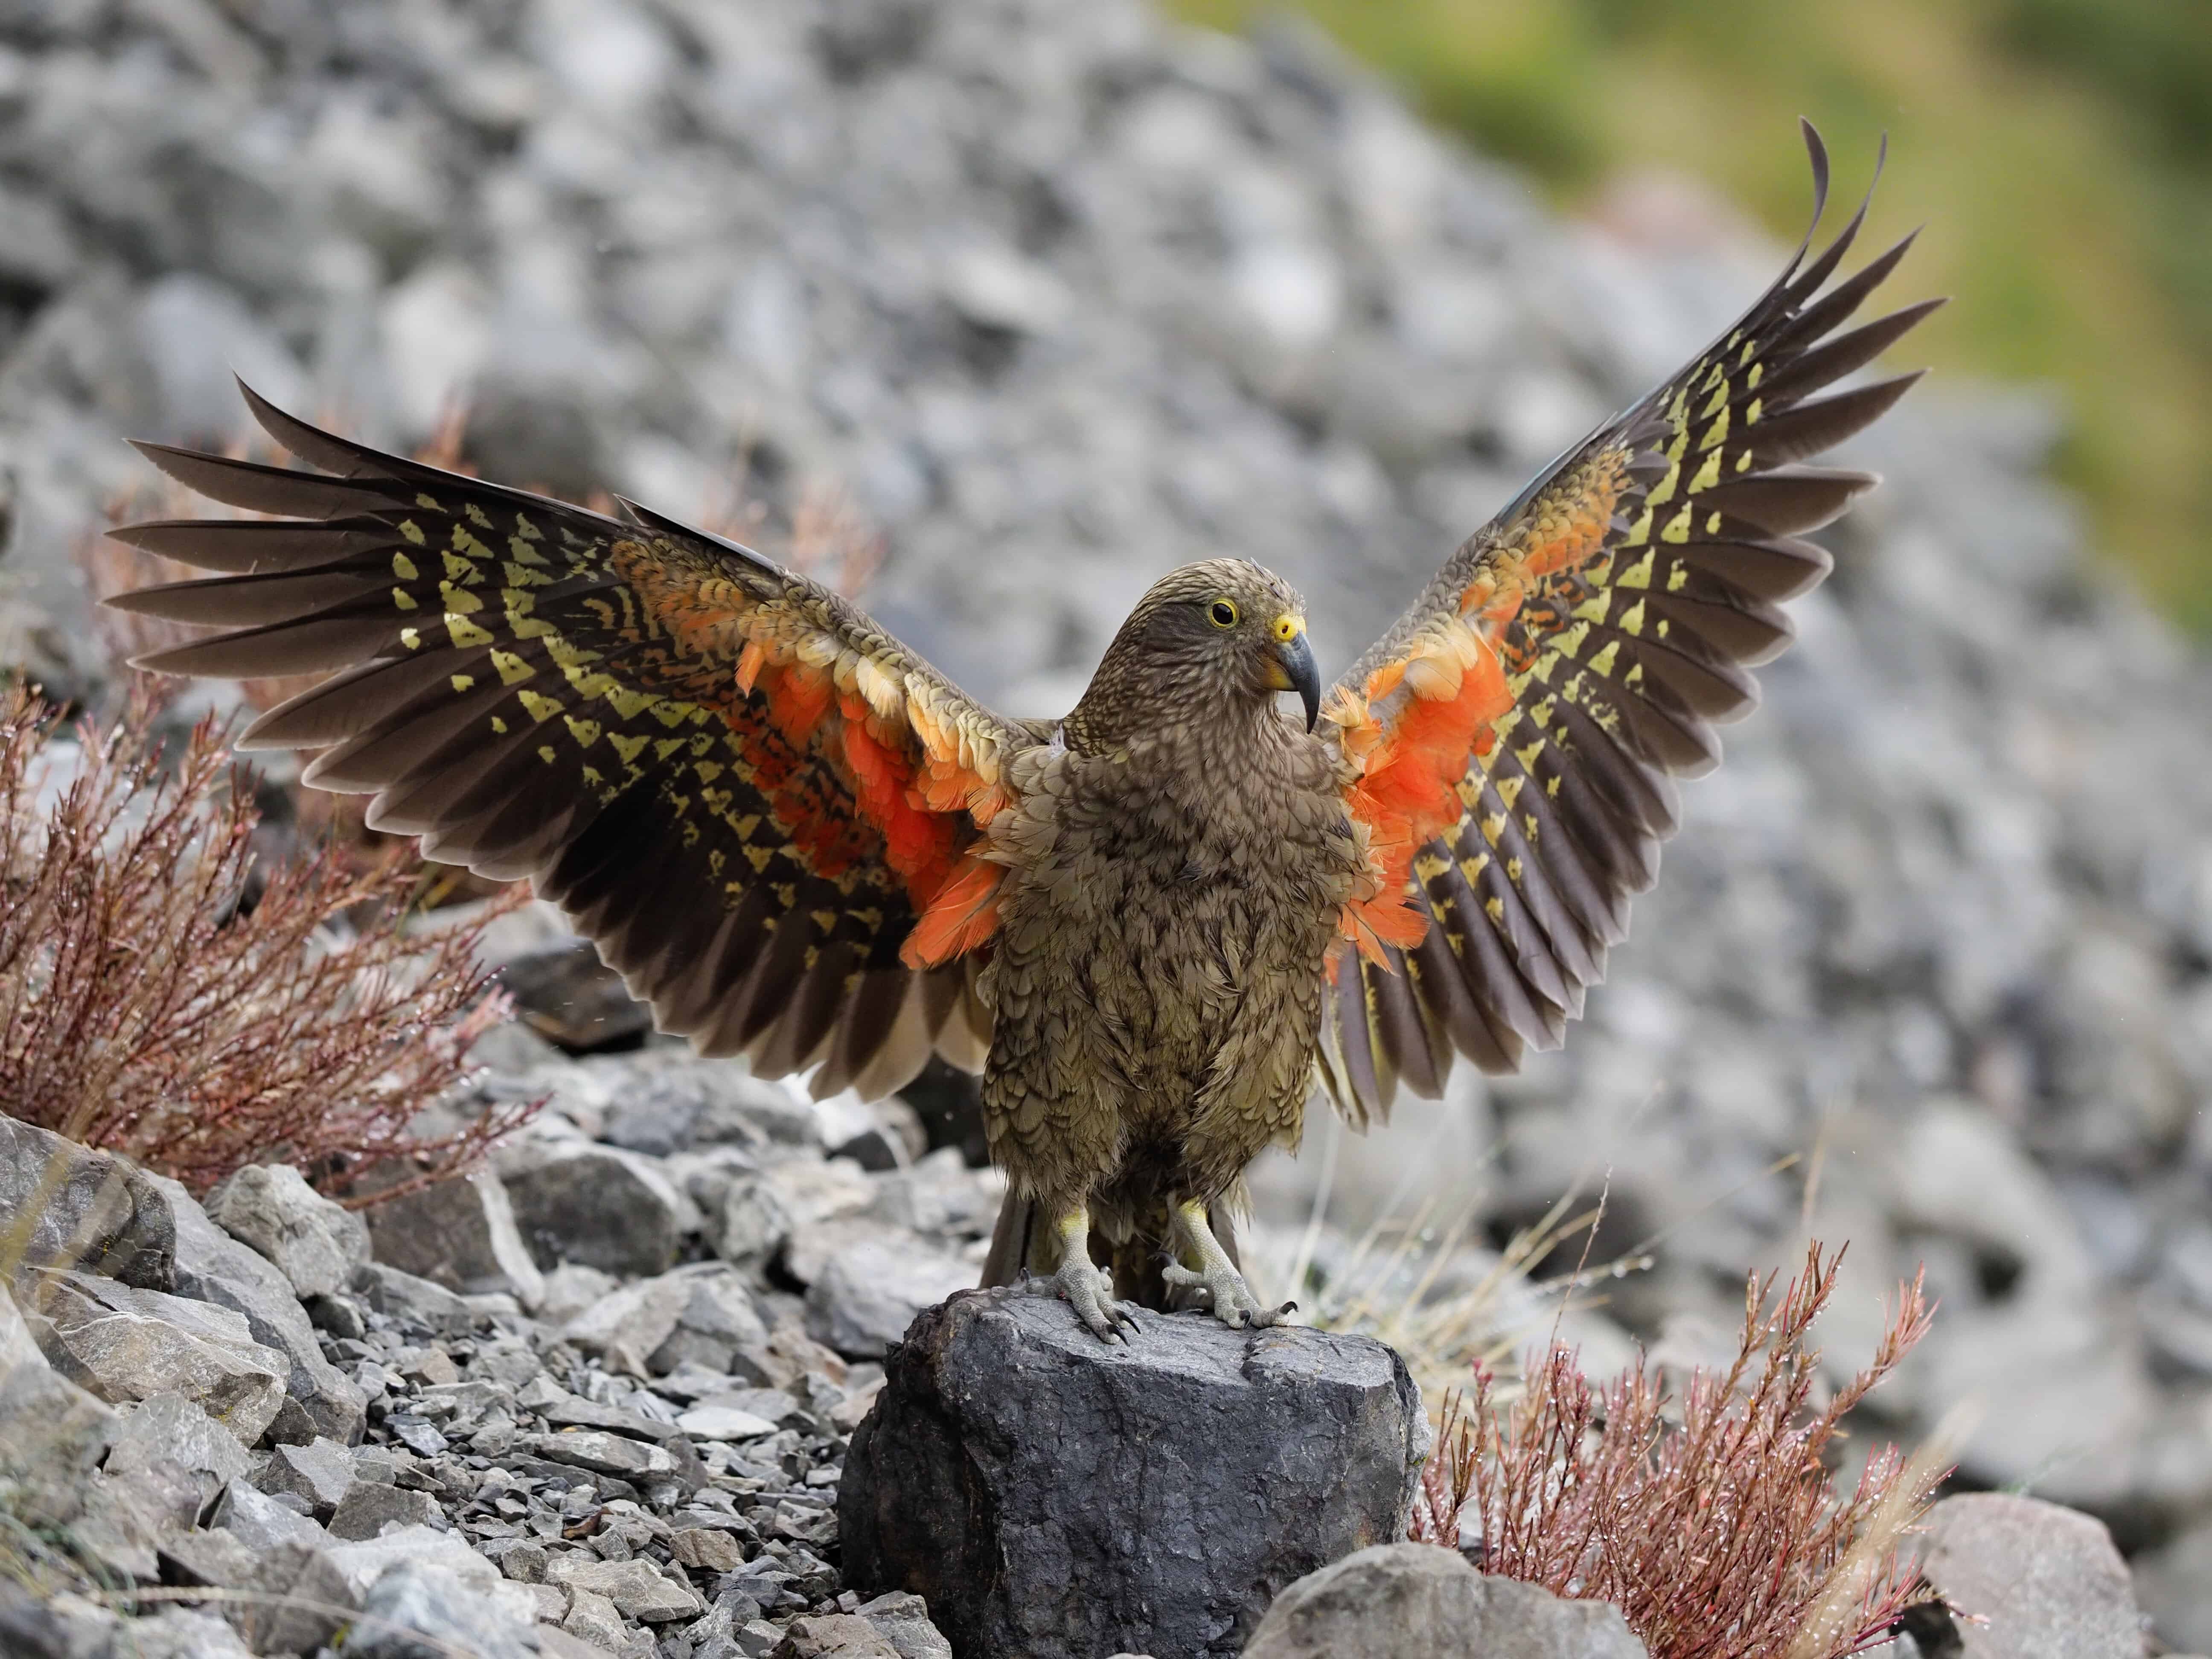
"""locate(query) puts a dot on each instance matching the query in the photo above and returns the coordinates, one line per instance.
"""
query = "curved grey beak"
(1294, 668)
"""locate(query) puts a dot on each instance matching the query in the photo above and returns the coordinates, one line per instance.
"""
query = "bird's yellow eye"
(1223, 612)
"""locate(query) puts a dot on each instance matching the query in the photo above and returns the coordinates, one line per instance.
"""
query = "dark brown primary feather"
(541, 692)
(1620, 652)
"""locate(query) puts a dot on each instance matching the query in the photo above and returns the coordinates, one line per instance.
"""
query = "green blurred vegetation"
(2059, 152)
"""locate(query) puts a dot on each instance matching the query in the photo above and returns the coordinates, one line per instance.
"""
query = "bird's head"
(1222, 633)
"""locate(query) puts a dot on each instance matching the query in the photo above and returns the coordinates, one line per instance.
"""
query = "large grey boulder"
(125, 1344)
(608, 1209)
(1393, 1600)
(460, 1233)
(1053, 1497)
(66, 1205)
(212, 1266)
(2042, 1582)
(315, 1243)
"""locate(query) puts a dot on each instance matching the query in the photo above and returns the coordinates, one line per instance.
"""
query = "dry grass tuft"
(1713, 1522)
(165, 993)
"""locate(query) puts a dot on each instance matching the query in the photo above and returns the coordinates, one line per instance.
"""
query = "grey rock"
(1394, 1599)
(460, 1233)
(2173, 1586)
(417, 1301)
(126, 1343)
(566, 995)
(212, 1556)
(903, 1622)
(628, 1326)
(2046, 1579)
(87, 1210)
(606, 1209)
(315, 1243)
(637, 1587)
(307, 1600)
(1088, 1476)
(833, 1636)
(260, 1522)
(604, 1453)
(213, 1267)
(717, 1319)
(570, 1288)
(367, 1508)
(413, 1599)
(169, 1427)
(180, 1633)
(320, 1473)
(869, 1293)
(17, 1346)
(52, 1434)
(759, 1213)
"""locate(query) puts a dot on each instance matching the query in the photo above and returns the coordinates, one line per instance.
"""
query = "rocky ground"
(1059, 296)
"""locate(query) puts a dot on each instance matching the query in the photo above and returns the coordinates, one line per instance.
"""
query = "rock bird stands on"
(1152, 924)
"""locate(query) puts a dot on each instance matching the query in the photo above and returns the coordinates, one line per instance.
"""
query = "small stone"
(417, 1598)
(460, 1233)
(572, 1287)
(301, 1601)
(212, 1556)
(904, 1620)
(566, 995)
(833, 1636)
(52, 1434)
(760, 1213)
(712, 1422)
(868, 1293)
(637, 1588)
(717, 1319)
(314, 1243)
(17, 1346)
(627, 1326)
(1397, 1599)
(260, 1522)
(757, 1638)
(367, 1508)
(607, 1209)
(170, 1427)
(321, 1472)
(417, 1301)
(554, 1643)
(707, 1549)
(214, 1267)
(88, 1210)
(518, 1558)
(2046, 1579)
(591, 1618)
(1010, 1443)
(126, 1343)
(604, 1454)
(364, 1560)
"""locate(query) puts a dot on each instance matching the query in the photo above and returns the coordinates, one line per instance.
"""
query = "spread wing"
(1510, 743)
(763, 809)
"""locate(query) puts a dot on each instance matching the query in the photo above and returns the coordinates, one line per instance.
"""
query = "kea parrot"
(1155, 924)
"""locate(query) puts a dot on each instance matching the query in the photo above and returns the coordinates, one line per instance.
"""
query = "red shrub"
(155, 1000)
(1713, 1523)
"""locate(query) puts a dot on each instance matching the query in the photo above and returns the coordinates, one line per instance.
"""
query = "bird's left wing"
(1509, 745)
(766, 812)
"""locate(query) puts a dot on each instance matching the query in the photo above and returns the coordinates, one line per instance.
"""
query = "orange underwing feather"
(1508, 748)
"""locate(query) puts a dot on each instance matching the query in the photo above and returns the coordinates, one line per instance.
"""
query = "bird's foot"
(1088, 1289)
(1228, 1297)
(1081, 1282)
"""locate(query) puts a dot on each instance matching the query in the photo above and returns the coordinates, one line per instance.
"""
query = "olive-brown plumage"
(1153, 925)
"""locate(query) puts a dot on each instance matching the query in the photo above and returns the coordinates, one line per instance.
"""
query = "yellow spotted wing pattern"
(761, 807)
(1510, 744)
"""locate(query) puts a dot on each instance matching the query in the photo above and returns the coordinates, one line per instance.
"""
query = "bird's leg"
(1081, 1282)
(1202, 1264)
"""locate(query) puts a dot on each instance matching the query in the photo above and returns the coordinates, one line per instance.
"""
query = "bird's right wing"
(1509, 743)
(766, 812)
